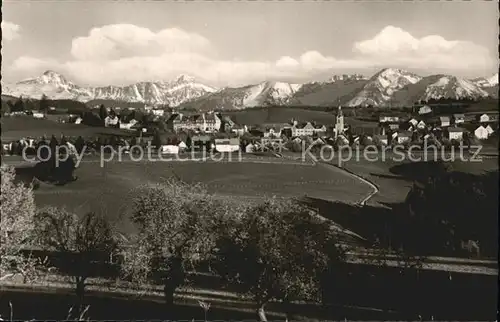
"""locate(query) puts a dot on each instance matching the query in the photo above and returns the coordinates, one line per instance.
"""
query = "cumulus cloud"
(124, 53)
(125, 40)
(394, 45)
(10, 31)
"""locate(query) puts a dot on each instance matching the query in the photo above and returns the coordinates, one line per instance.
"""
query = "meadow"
(110, 189)
(17, 127)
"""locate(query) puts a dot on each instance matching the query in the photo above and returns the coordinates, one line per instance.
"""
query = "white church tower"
(339, 122)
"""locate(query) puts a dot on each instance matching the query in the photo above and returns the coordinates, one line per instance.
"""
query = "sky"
(97, 43)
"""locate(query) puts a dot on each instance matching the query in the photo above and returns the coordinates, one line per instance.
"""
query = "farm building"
(456, 133)
(413, 122)
(458, 118)
(484, 118)
(421, 125)
(227, 145)
(444, 121)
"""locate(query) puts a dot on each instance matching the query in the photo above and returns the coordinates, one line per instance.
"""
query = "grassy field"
(110, 189)
(14, 128)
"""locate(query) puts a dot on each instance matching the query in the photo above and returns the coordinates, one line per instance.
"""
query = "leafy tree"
(156, 142)
(279, 250)
(16, 225)
(79, 144)
(18, 105)
(103, 113)
(80, 242)
(176, 225)
(44, 104)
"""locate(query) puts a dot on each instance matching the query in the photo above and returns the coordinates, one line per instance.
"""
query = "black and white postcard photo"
(268, 160)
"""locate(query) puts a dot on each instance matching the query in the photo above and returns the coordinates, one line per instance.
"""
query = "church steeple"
(339, 122)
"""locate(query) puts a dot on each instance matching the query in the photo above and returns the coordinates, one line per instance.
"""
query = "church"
(339, 123)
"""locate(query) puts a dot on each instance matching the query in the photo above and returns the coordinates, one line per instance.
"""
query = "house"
(272, 132)
(250, 148)
(404, 136)
(182, 146)
(382, 139)
(481, 133)
(458, 118)
(129, 125)
(238, 129)
(304, 129)
(444, 121)
(201, 142)
(490, 130)
(169, 149)
(484, 118)
(227, 145)
(426, 109)
(394, 126)
(456, 133)
(197, 122)
(38, 115)
(111, 121)
(319, 130)
(413, 122)
(421, 125)
(384, 118)
(318, 141)
(158, 112)
(78, 120)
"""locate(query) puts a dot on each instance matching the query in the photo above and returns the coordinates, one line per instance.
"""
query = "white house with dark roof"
(304, 129)
(458, 118)
(456, 133)
(444, 121)
(481, 133)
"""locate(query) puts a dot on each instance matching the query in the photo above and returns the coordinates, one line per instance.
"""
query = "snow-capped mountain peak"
(380, 87)
(185, 79)
(48, 77)
(56, 86)
(453, 87)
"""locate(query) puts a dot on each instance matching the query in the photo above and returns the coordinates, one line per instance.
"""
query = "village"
(178, 132)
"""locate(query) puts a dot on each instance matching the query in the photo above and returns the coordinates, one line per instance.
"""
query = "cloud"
(125, 40)
(125, 53)
(394, 45)
(10, 31)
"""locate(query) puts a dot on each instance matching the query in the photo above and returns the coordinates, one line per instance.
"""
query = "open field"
(109, 189)
(14, 128)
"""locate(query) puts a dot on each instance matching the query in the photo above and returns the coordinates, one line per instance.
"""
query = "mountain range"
(387, 87)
